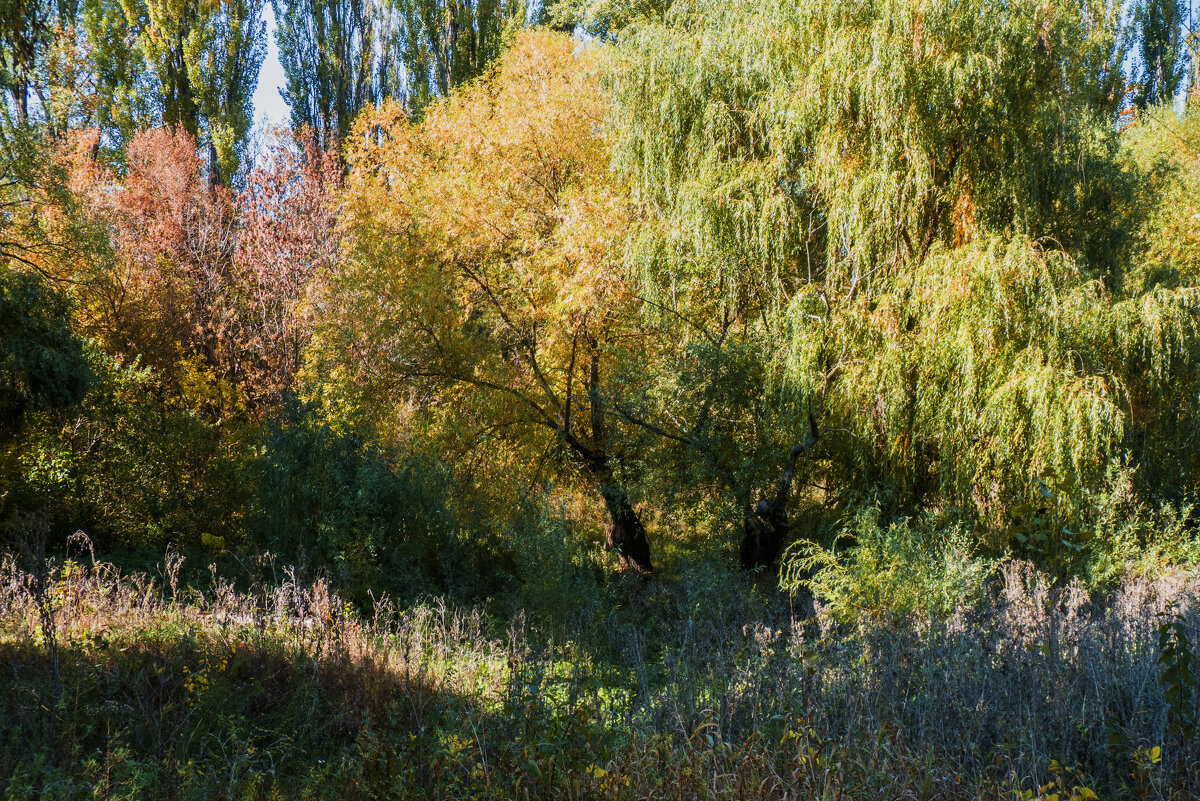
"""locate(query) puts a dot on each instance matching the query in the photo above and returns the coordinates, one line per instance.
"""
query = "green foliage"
(42, 364)
(1167, 150)
(134, 466)
(191, 66)
(1178, 680)
(445, 43)
(1162, 26)
(27, 34)
(899, 571)
(338, 57)
(602, 18)
(843, 138)
(1126, 538)
(920, 221)
(126, 95)
(559, 576)
(377, 520)
(343, 56)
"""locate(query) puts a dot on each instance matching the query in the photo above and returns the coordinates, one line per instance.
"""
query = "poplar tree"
(338, 57)
(204, 58)
(444, 43)
(192, 66)
(1162, 52)
(341, 56)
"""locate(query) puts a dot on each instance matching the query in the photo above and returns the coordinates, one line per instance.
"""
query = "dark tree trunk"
(215, 178)
(626, 534)
(766, 525)
(766, 530)
(21, 94)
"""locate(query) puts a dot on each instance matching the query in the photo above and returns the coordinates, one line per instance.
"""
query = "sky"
(269, 108)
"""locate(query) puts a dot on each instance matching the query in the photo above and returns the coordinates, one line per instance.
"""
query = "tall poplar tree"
(189, 65)
(205, 57)
(337, 56)
(341, 56)
(446, 42)
(1162, 52)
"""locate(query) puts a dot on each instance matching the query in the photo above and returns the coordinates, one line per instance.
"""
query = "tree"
(45, 74)
(480, 286)
(205, 287)
(25, 31)
(1163, 53)
(227, 67)
(126, 91)
(444, 43)
(190, 65)
(601, 18)
(159, 291)
(897, 203)
(342, 56)
(286, 239)
(338, 57)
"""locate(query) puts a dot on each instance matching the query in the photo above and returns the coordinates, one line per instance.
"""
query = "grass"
(697, 686)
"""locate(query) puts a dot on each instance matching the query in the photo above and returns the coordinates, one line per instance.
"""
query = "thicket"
(746, 272)
(892, 305)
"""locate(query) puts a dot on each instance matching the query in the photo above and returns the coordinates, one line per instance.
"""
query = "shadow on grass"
(181, 713)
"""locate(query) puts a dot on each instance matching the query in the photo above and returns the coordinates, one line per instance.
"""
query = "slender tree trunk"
(215, 178)
(21, 95)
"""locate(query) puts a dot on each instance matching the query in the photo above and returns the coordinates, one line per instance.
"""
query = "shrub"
(42, 365)
(375, 518)
(133, 465)
(906, 569)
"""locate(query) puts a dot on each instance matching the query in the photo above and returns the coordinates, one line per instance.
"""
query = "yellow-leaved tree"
(482, 286)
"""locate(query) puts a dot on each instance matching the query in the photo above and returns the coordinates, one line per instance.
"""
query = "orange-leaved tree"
(195, 281)
(286, 235)
(159, 293)
(482, 283)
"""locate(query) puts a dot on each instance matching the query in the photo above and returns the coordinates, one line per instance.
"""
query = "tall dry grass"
(283, 690)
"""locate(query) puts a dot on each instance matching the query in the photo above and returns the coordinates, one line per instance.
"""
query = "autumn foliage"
(202, 284)
(483, 270)
(747, 398)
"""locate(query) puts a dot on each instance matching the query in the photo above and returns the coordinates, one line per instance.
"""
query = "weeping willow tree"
(921, 217)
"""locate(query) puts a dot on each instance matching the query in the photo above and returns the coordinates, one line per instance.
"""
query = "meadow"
(698, 683)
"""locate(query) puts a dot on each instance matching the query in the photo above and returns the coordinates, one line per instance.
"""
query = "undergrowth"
(694, 687)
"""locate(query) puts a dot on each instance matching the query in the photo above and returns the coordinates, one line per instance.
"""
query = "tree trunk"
(21, 95)
(625, 533)
(765, 532)
(215, 178)
(766, 525)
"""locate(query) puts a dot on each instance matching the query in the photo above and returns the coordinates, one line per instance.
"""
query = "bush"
(133, 465)
(42, 365)
(559, 575)
(374, 518)
(906, 569)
